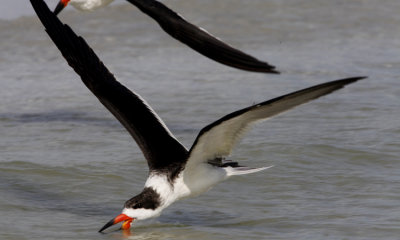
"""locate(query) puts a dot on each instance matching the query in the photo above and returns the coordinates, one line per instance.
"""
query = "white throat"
(169, 192)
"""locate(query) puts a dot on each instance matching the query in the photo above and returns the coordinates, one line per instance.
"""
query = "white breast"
(191, 182)
(88, 5)
(168, 193)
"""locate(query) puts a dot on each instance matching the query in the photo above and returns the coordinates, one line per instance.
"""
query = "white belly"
(202, 178)
(191, 182)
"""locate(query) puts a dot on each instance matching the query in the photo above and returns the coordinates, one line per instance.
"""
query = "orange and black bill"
(122, 217)
(60, 6)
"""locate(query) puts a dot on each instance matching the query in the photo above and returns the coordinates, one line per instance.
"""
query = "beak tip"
(107, 225)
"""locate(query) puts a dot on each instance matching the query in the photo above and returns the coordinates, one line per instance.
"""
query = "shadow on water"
(57, 116)
(78, 117)
(32, 194)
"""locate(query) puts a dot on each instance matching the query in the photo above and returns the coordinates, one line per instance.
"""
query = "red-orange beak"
(122, 217)
(60, 6)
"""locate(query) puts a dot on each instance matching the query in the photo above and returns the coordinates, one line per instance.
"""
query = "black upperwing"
(199, 40)
(159, 146)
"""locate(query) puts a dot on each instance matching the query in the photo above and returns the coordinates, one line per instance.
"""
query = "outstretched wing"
(159, 146)
(200, 40)
(218, 139)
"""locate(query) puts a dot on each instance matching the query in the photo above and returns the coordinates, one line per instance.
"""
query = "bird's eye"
(139, 205)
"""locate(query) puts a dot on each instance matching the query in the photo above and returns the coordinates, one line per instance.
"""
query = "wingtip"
(263, 67)
(353, 79)
(359, 78)
(273, 71)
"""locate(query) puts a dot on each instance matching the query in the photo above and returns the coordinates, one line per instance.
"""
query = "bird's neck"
(169, 191)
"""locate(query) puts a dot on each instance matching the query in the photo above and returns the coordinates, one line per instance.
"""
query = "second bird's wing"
(199, 39)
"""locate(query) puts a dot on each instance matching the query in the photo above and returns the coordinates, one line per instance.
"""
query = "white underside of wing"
(219, 140)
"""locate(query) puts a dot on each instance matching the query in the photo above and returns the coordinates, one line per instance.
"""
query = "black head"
(147, 199)
(141, 206)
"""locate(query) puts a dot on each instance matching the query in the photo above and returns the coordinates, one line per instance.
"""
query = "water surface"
(67, 166)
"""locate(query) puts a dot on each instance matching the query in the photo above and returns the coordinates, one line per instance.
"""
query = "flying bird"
(174, 171)
(177, 27)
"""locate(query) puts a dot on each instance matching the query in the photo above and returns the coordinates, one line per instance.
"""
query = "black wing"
(159, 146)
(199, 40)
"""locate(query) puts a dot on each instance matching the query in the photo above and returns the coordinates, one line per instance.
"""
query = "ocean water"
(67, 166)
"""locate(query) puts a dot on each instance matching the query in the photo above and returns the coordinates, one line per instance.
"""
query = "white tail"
(243, 170)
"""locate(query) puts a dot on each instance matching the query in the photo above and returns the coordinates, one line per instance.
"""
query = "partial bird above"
(196, 38)
(174, 171)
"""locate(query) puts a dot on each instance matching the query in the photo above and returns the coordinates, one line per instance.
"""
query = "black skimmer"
(185, 32)
(174, 171)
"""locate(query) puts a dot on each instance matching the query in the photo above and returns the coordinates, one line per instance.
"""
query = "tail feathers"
(231, 171)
